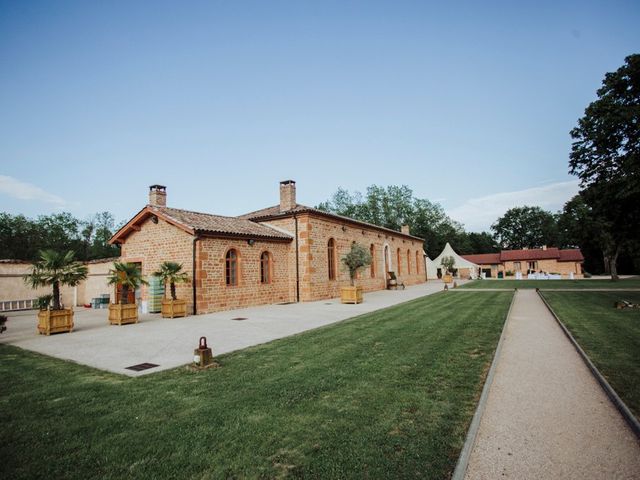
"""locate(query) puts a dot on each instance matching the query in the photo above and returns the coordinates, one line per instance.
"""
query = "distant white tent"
(460, 263)
(430, 267)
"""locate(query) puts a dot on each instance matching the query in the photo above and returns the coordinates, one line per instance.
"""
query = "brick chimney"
(158, 195)
(287, 195)
(405, 229)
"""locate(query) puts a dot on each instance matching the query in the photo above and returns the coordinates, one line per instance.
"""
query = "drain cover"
(141, 366)
(240, 318)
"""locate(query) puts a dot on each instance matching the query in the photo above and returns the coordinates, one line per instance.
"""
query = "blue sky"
(470, 103)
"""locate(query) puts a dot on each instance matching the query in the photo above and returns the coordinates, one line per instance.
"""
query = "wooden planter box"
(174, 308)
(351, 294)
(447, 278)
(55, 321)
(122, 314)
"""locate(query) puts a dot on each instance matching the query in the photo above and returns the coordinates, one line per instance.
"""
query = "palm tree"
(128, 276)
(56, 269)
(170, 272)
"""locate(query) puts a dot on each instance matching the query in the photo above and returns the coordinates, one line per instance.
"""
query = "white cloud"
(27, 191)
(478, 214)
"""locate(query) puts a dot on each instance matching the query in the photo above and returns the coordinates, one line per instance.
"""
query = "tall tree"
(578, 227)
(526, 227)
(394, 206)
(22, 238)
(605, 155)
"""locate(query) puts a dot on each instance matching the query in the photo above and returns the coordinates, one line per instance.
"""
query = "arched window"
(372, 252)
(231, 268)
(331, 258)
(399, 261)
(408, 262)
(265, 267)
(418, 262)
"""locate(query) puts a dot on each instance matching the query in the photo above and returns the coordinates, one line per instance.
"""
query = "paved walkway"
(170, 342)
(546, 417)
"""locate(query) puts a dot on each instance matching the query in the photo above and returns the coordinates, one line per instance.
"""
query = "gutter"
(193, 275)
(295, 218)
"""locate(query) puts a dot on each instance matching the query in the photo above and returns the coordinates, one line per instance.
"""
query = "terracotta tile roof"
(483, 258)
(207, 223)
(569, 255)
(530, 254)
(572, 255)
(274, 212)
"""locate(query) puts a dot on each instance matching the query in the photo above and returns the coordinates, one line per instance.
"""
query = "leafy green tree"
(526, 227)
(355, 259)
(22, 238)
(171, 273)
(56, 269)
(128, 276)
(394, 206)
(448, 263)
(579, 228)
(605, 155)
(482, 242)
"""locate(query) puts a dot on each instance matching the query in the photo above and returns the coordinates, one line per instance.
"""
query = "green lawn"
(609, 336)
(386, 395)
(543, 284)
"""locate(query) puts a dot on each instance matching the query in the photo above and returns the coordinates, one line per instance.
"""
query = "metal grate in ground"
(141, 366)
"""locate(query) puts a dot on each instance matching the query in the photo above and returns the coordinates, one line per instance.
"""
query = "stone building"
(281, 254)
(546, 259)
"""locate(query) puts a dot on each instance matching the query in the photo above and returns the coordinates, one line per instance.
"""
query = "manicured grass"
(386, 395)
(546, 284)
(610, 337)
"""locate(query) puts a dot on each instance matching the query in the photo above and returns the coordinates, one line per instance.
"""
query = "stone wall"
(160, 242)
(213, 293)
(12, 286)
(548, 266)
(315, 232)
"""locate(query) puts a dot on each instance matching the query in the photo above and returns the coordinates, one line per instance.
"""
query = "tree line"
(21, 238)
(603, 220)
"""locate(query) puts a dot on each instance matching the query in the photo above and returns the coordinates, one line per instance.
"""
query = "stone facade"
(153, 243)
(547, 265)
(298, 253)
(213, 294)
(548, 260)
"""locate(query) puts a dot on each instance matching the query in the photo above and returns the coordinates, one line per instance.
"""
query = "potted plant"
(55, 269)
(448, 263)
(128, 277)
(171, 273)
(358, 257)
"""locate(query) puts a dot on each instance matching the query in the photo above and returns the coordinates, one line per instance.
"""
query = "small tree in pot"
(171, 273)
(128, 277)
(448, 264)
(55, 269)
(357, 258)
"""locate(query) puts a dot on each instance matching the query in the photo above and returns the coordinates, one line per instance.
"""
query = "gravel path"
(546, 417)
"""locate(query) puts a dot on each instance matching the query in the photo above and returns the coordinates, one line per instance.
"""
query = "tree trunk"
(56, 296)
(606, 259)
(613, 262)
(173, 291)
(124, 295)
